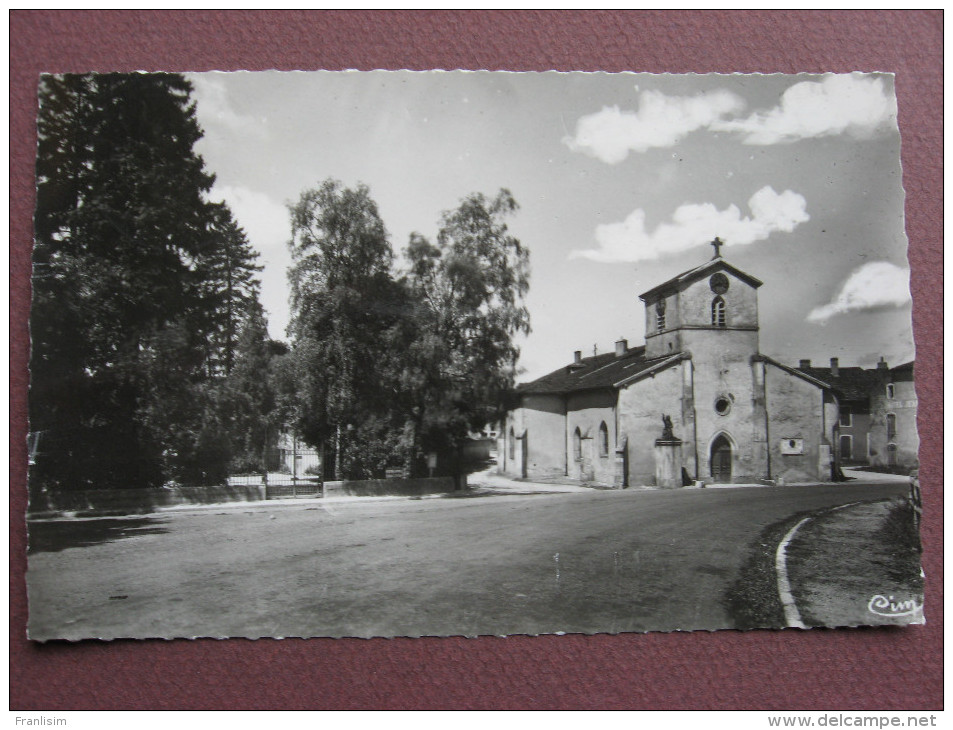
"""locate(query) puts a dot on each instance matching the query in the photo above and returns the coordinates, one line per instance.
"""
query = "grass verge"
(752, 600)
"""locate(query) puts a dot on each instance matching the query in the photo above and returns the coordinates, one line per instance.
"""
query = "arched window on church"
(718, 318)
(603, 439)
(577, 445)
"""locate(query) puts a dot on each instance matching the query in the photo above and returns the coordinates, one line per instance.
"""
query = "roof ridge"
(654, 364)
(690, 273)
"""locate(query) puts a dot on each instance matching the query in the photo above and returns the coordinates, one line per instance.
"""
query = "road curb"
(792, 615)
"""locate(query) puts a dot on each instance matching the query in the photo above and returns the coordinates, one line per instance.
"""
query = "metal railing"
(916, 499)
(287, 472)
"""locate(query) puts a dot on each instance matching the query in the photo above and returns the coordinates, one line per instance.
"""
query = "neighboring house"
(853, 387)
(893, 428)
(877, 424)
(735, 414)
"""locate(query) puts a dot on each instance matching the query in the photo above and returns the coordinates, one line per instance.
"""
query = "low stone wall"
(140, 501)
(391, 487)
(133, 501)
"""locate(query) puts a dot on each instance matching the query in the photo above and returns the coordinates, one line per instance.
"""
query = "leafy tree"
(468, 294)
(388, 368)
(345, 303)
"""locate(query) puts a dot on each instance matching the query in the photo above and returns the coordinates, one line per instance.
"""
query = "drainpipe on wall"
(767, 418)
(503, 454)
(566, 435)
(691, 384)
(618, 448)
(824, 436)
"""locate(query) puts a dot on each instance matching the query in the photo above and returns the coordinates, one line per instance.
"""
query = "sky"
(622, 181)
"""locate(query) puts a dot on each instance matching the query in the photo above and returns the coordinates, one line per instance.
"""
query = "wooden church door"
(721, 460)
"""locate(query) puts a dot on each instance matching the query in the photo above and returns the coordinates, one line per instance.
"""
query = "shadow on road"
(55, 535)
(472, 492)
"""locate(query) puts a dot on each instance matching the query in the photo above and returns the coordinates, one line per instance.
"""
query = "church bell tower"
(714, 305)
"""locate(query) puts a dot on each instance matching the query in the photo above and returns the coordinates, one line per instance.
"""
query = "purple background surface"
(873, 669)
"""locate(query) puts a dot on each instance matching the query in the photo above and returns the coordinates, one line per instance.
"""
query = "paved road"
(599, 561)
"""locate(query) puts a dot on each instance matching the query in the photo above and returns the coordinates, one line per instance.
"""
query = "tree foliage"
(140, 287)
(393, 364)
(253, 417)
(468, 292)
(225, 275)
(151, 361)
(345, 306)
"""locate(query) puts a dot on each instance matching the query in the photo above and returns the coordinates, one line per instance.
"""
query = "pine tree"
(251, 395)
(225, 276)
(126, 330)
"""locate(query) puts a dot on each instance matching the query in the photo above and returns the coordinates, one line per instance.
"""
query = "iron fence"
(286, 472)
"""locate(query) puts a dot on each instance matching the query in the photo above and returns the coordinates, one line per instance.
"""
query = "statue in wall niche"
(667, 434)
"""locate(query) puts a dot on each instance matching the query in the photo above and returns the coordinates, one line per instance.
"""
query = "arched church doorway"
(721, 459)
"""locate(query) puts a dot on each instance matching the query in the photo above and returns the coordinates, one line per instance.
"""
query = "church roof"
(699, 272)
(607, 370)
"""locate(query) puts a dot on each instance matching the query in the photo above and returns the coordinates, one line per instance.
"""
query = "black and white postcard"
(392, 353)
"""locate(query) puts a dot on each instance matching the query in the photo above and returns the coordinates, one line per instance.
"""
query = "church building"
(696, 402)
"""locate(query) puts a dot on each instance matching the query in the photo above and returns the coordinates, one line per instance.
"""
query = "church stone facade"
(735, 415)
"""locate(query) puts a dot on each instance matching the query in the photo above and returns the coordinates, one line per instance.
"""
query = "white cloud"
(214, 110)
(696, 224)
(852, 104)
(661, 121)
(268, 227)
(875, 285)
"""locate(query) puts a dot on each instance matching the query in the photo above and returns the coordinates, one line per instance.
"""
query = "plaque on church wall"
(792, 446)
(275, 315)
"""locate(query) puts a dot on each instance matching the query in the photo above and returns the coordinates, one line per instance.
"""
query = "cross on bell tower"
(717, 244)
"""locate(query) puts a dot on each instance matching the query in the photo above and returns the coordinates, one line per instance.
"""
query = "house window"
(846, 448)
(892, 454)
(512, 445)
(603, 439)
(718, 318)
(890, 390)
(577, 445)
(891, 425)
(846, 417)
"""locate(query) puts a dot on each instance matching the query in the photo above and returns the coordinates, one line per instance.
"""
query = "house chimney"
(835, 370)
(882, 364)
(804, 364)
(577, 357)
(621, 346)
